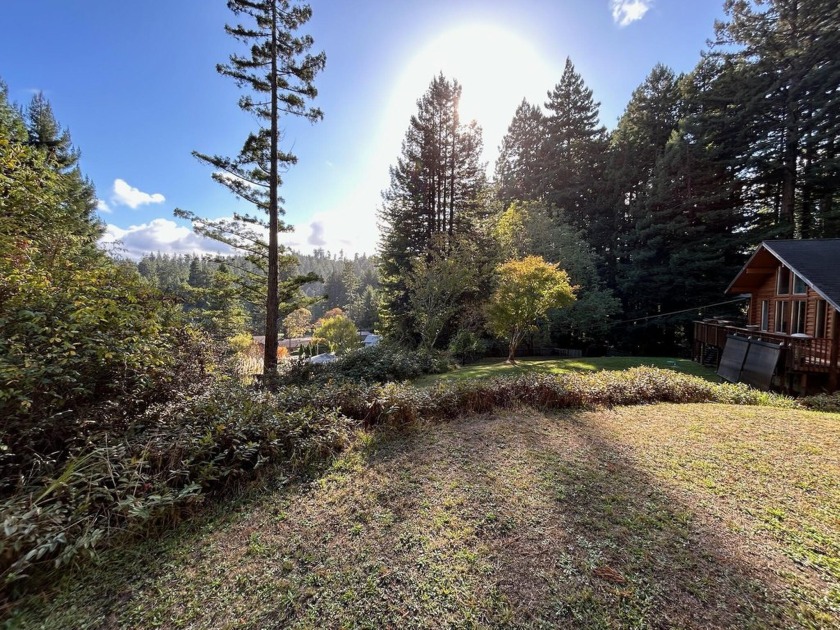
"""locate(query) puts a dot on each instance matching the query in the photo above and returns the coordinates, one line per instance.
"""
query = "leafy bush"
(72, 338)
(467, 346)
(387, 362)
(299, 371)
(823, 402)
(37, 441)
(163, 462)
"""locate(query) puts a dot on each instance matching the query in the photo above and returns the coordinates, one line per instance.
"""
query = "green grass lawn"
(487, 368)
(683, 516)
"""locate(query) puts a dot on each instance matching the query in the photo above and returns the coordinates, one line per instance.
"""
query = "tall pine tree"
(518, 165)
(47, 136)
(686, 233)
(573, 151)
(778, 79)
(278, 71)
(636, 145)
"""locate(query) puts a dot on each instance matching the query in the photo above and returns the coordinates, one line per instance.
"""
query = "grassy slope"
(487, 368)
(667, 515)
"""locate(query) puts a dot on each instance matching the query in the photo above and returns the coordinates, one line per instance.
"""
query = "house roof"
(327, 357)
(816, 261)
(291, 343)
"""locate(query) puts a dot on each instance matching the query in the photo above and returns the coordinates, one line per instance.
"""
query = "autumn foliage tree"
(338, 332)
(297, 322)
(527, 289)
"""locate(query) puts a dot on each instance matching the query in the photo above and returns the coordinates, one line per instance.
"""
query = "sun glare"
(496, 68)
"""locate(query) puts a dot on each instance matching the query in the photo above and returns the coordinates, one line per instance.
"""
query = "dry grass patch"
(655, 516)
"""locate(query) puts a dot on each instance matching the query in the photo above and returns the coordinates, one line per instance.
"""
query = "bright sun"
(496, 68)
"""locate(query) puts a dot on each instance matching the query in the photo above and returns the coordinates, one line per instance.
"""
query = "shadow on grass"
(497, 523)
(627, 553)
(521, 521)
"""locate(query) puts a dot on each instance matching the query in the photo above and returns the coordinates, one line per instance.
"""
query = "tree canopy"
(338, 332)
(526, 290)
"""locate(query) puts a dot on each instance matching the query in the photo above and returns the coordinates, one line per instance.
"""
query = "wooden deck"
(798, 355)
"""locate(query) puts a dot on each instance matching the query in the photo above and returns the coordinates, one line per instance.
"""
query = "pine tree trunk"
(272, 306)
(788, 207)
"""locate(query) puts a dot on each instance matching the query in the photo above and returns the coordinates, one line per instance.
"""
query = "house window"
(821, 328)
(798, 323)
(799, 286)
(782, 316)
(783, 281)
(765, 315)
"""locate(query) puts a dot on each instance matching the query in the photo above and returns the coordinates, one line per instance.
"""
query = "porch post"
(835, 352)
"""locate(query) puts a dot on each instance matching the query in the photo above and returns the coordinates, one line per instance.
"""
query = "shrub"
(467, 346)
(388, 362)
(36, 443)
(171, 456)
(398, 403)
(823, 402)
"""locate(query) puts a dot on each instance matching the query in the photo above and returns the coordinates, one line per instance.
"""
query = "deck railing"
(799, 354)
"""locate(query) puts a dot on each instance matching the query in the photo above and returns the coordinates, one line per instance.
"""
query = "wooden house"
(794, 291)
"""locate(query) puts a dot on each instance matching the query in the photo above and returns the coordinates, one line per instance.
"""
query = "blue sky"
(135, 84)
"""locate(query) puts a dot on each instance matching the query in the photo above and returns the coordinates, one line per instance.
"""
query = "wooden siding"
(806, 365)
(767, 291)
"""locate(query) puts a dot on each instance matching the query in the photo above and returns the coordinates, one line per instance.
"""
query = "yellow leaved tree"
(527, 289)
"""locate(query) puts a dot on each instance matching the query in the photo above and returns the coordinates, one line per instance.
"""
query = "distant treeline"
(348, 284)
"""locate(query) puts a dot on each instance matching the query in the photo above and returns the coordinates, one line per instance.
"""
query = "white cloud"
(316, 237)
(350, 228)
(626, 12)
(102, 206)
(158, 235)
(127, 195)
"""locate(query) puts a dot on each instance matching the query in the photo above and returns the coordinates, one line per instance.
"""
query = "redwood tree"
(435, 197)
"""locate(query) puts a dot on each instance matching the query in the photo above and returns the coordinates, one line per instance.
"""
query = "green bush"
(467, 346)
(823, 402)
(388, 362)
(40, 439)
(168, 458)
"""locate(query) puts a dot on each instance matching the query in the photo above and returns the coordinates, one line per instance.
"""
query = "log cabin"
(794, 302)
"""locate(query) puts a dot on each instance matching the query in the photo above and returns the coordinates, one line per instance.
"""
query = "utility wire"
(685, 310)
